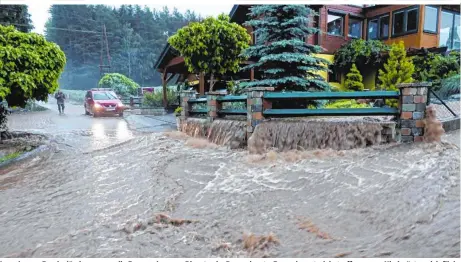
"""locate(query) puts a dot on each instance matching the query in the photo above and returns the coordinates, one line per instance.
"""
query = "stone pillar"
(213, 104)
(185, 96)
(412, 106)
(255, 107)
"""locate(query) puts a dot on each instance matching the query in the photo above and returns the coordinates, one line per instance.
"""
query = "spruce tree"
(354, 80)
(285, 60)
(16, 15)
(398, 69)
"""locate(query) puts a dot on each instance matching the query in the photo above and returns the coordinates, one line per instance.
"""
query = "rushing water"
(395, 200)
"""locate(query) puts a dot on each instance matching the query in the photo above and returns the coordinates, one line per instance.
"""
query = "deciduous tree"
(213, 46)
(30, 66)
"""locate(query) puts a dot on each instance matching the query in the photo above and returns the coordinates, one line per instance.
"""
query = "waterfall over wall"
(299, 134)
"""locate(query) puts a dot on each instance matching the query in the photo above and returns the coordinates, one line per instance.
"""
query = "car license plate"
(110, 109)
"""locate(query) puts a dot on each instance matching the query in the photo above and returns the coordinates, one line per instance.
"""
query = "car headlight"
(96, 105)
(120, 105)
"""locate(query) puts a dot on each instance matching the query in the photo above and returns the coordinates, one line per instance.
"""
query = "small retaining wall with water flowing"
(300, 134)
(266, 128)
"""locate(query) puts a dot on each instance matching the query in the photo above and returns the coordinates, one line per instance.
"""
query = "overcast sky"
(39, 11)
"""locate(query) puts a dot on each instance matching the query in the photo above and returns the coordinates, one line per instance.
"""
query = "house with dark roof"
(432, 27)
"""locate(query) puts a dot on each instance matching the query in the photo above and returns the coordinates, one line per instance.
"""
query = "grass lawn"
(10, 156)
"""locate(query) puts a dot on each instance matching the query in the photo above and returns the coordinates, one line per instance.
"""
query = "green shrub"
(354, 80)
(155, 99)
(178, 111)
(234, 105)
(363, 53)
(346, 104)
(121, 84)
(398, 69)
(435, 67)
(450, 86)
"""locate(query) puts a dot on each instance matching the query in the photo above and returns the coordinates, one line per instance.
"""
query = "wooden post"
(252, 75)
(202, 84)
(164, 83)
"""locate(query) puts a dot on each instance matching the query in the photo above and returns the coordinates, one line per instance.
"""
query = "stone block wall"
(412, 105)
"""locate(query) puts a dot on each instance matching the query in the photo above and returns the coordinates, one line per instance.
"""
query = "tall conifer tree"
(282, 55)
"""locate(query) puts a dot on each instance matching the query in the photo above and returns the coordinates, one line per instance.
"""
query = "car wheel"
(121, 114)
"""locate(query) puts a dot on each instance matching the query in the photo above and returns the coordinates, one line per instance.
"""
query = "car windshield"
(104, 96)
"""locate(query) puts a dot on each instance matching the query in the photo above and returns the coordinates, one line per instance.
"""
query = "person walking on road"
(60, 97)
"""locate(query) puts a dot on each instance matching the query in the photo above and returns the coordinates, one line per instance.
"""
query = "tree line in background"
(17, 16)
(136, 36)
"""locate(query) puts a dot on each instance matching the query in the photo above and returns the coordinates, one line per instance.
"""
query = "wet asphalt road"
(74, 129)
(82, 199)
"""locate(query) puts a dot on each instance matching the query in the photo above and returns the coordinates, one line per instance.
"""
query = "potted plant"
(177, 113)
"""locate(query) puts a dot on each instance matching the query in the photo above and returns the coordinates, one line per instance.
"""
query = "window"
(384, 27)
(450, 30)
(373, 29)
(405, 21)
(378, 28)
(355, 27)
(412, 20)
(431, 16)
(335, 24)
(333, 77)
(103, 96)
(399, 19)
(457, 33)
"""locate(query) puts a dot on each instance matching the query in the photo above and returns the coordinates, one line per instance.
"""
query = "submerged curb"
(25, 155)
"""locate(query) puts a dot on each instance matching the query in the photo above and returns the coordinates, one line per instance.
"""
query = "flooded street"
(95, 194)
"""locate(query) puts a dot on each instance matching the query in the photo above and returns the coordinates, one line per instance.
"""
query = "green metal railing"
(274, 96)
(223, 99)
(331, 96)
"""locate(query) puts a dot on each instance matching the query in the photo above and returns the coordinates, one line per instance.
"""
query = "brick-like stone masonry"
(255, 107)
(413, 98)
(214, 105)
(185, 96)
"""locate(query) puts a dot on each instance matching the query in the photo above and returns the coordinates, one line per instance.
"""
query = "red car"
(100, 102)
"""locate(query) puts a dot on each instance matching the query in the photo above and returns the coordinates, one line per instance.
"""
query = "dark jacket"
(60, 97)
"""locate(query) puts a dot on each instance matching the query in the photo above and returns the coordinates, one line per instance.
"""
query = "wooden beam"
(170, 77)
(202, 84)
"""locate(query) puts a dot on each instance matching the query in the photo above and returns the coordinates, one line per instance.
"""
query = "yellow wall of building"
(329, 58)
(324, 74)
(369, 76)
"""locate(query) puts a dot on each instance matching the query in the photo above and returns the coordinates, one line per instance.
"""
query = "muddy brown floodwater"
(395, 200)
